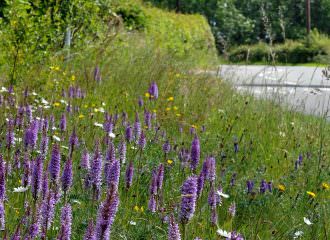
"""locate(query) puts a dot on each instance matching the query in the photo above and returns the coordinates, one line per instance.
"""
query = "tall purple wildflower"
(73, 140)
(142, 141)
(140, 101)
(67, 176)
(66, 223)
(166, 147)
(212, 169)
(195, 153)
(153, 183)
(263, 186)
(232, 209)
(44, 185)
(122, 151)
(10, 136)
(106, 214)
(147, 119)
(90, 232)
(129, 175)
(96, 170)
(63, 122)
(44, 143)
(36, 177)
(153, 91)
(84, 162)
(249, 186)
(114, 174)
(47, 212)
(188, 199)
(152, 206)
(129, 133)
(200, 183)
(160, 177)
(54, 164)
(173, 230)
(2, 216)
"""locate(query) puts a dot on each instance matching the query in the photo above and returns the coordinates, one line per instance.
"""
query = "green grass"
(270, 138)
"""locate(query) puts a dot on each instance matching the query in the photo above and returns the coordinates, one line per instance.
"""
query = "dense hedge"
(315, 48)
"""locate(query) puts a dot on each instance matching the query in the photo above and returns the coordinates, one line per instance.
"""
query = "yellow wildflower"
(154, 110)
(73, 77)
(85, 106)
(311, 194)
(81, 116)
(142, 209)
(281, 187)
(136, 208)
(177, 75)
(17, 212)
(96, 110)
(175, 108)
(169, 161)
(170, 99)
(325, 186)
(56, 104)
(194, 126)
(168, 109)
(178, 115)
(147, 95)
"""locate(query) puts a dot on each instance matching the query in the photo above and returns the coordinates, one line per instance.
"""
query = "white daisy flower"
(43, 101)
(56, 138)
(96, 124)
(298, 234)
(20, 189)
(132, 223)
(307, 221)
(222, 194)
(223, 233)
(112, 135)
(3, 89)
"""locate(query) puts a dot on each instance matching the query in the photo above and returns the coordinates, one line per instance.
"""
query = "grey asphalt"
(301, 88)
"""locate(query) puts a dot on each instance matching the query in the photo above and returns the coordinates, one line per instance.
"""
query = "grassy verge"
(250, 139)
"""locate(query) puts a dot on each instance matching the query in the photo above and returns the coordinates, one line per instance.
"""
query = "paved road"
(302, 88)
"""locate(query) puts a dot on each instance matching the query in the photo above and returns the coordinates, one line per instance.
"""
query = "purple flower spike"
(10, 136)
(212, 199)
(249, 185)
(140, 101)
(63, 123)
(74, 142)
(147, 119)
(54, 164)
(66, 223)
(152, 204)
(200, 183)
(232, 209)
(47, 212)
(114, 174)
(263, 186)
(166, 147)
(160, 177)
(129, 133)
(137, 127)
(2, 180)
(26, 178)
(122, 151)
(142, 141)
(67, 175)
(153, 91)
(195, 153)
(153, 184)
(90, 232)
(188, 199)
(96, 169)
(106, 214)
(173, 230)
(36, 177)
(129, 175)
(84, 162)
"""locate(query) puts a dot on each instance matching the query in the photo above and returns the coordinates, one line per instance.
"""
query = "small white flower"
(103, 104)
(134, 148)
(56, 138)
(43, 101)
(76, 201)
(282, 134)
(112, 135)
(3, 89)
(96, 124)
(298, 234)
(54, 128)
(20, 189)
(101, 109)
(223, 233)
(34, 93)
(7, 119)
(38, 118)
(222, 194)
(63, 101)
(132, 223)
(46, 107)
(307, 221)
(65, 147)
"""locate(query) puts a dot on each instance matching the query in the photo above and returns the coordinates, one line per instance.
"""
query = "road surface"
(302, 88)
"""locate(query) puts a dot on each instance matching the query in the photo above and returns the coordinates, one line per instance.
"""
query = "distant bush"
(315, 48)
